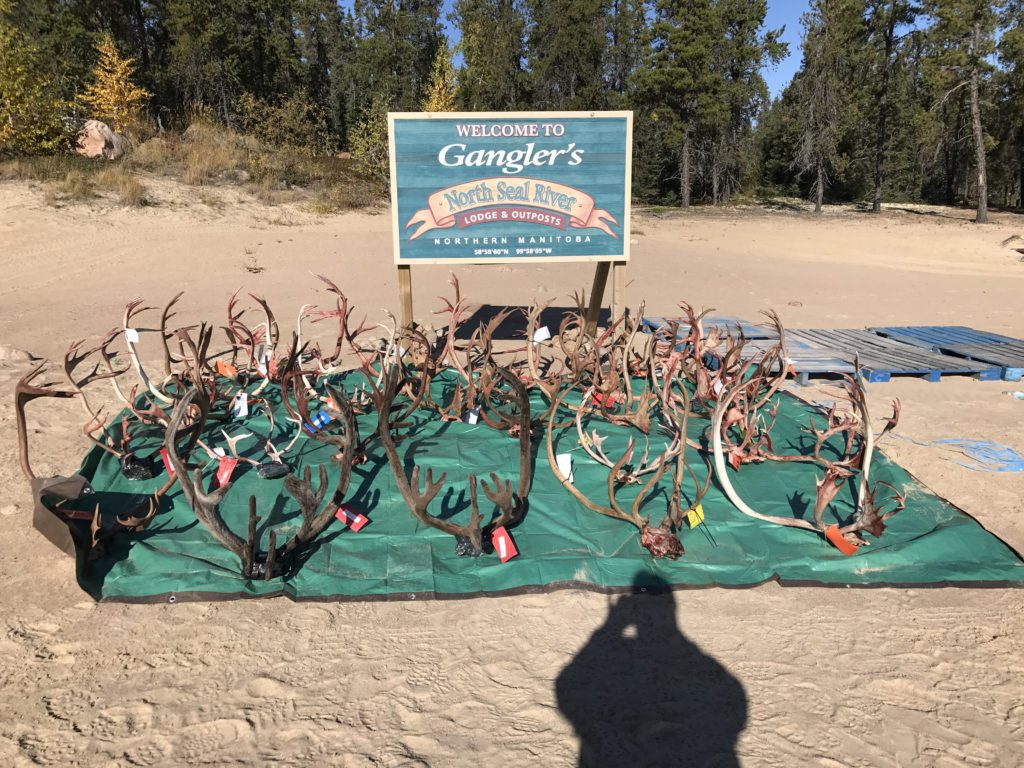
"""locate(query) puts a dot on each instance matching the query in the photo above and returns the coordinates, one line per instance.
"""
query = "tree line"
(894, 99)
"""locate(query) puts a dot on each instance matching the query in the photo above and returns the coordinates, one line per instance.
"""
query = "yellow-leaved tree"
(30, 113)
(441, 89)
(369, 141)
(113, 96)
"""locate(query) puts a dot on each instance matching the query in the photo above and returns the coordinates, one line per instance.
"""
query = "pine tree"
(743, 51)
(962, 41)
(832, 30)
(1011, 57)
(113, 95)
(441, 89)
(627, 33)
(885, 17)
(677, 85)
(567, 40)
(493, 47)
(29, 110)
(394, 53)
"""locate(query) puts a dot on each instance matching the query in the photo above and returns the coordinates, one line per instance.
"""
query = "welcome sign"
(491, 187)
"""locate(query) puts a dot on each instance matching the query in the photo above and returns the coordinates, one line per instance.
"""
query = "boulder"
(97, 139)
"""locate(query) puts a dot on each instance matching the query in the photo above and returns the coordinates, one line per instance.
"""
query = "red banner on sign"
(511, 215)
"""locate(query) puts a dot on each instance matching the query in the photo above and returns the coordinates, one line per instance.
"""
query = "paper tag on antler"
(695, 516)
(227, 370)
(472, 416)
(607, 401)
(717, 387)
(131, 335)
(220, 452)
(565, 465)
(353, 520)
(225, 468)
(503, 544)
(167, 462)
(240, 407)
(541, 334)
(833, 534)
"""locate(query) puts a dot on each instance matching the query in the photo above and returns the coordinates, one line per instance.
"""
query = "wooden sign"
(509, 187)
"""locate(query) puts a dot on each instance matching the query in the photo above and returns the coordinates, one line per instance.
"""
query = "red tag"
(353, 520)
(503, 544)
(224, 470)
(167, 462)
(832, 534)
(227, 370)
(734, 461)
(608, 401)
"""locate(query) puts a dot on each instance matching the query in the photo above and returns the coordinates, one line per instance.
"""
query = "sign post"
(511, 187)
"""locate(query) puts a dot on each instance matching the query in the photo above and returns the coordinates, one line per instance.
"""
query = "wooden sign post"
(512, 188)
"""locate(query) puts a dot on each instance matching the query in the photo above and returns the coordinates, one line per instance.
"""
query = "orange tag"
(832, 534)
(227, 370)
(224, 469)
(503, 544)
(167, 462)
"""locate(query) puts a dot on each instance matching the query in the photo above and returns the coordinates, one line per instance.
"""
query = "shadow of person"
(641, 694)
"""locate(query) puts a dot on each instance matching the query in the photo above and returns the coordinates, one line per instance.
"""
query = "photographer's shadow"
(641, 694)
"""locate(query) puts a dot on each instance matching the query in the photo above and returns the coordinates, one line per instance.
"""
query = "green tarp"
(561, 543)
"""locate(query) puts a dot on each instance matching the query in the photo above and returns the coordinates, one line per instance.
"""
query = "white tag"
(541, 334)
(717, 387)
(220, 452)
(241, 406)
(565, 465)
(472, 416)
(131, 335)
(502, 550)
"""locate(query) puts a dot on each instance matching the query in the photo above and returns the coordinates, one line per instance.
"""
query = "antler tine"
(500, 495)
(24, 392)
(165, 318)
(309, 500)
(430, 490)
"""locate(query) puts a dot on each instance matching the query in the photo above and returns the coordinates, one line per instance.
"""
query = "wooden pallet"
(806, 360)
(1003, 351)
(729, 323)
(882, 358)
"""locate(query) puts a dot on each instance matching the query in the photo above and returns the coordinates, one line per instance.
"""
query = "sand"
(760, 677)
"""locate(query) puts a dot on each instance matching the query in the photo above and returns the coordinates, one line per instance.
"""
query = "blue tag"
(321, 420)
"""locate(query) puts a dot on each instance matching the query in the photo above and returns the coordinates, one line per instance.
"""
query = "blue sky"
(780, 13)
(785, 12)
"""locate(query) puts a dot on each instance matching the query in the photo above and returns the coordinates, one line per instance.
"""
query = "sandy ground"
(768, 676)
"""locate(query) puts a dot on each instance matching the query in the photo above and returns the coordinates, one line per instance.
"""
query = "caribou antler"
(658, 541)
(24, 392)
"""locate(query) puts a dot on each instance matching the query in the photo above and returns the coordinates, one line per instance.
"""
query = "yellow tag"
(695, 516)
